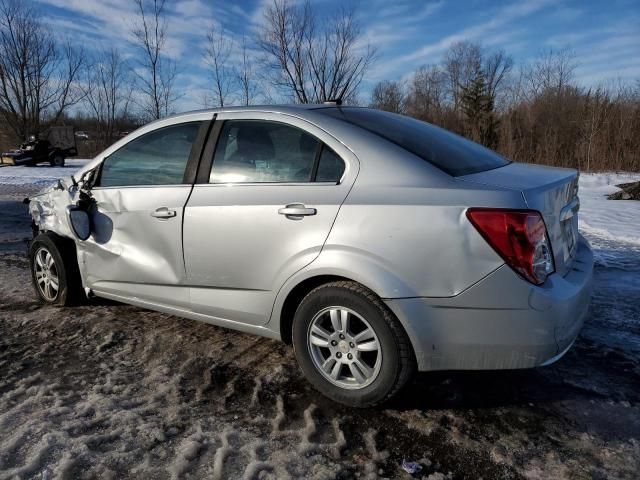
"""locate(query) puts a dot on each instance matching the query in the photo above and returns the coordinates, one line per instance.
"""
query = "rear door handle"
(297, 210)
(163, 213)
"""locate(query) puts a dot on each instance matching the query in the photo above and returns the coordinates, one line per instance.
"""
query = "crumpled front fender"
(49, 210)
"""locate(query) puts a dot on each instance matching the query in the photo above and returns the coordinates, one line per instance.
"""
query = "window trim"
(204, 167)
(194, 156)
(316, 162)
(206, 162)
(197, 150)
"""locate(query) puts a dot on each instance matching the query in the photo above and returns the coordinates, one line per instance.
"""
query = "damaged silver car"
(376, 244)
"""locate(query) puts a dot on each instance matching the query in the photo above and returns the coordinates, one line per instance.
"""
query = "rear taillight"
(519, 237)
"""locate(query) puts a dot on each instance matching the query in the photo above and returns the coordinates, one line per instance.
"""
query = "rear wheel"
(57, 161)
(54, 271)
(350, 346)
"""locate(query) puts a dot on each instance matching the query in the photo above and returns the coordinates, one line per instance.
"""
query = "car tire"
(57, 161)
(362, 379)
(53, 263)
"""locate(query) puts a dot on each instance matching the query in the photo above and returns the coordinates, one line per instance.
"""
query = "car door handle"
(163, 213)
(297, 210)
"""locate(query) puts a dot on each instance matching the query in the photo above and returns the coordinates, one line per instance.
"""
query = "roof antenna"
(333, 101)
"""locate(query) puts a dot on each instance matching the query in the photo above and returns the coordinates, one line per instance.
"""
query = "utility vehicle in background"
(58, 144)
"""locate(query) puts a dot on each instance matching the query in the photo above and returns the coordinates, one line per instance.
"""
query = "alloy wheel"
(344, 347)
(46, 274)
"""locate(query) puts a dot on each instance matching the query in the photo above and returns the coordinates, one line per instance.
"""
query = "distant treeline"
(535, 113)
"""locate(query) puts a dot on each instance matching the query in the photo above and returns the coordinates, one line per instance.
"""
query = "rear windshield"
(449, 152)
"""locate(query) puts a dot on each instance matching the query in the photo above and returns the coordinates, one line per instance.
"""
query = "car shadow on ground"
(480, 389)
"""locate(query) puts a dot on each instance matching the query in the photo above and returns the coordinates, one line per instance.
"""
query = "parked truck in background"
(58, 144)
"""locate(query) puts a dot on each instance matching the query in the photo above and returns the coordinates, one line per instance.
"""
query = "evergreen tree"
(478, 108)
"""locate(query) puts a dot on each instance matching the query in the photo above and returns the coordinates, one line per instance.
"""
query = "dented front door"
(135, 250)
(136, 246)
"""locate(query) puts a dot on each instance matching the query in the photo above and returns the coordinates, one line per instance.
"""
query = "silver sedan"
(376, 244)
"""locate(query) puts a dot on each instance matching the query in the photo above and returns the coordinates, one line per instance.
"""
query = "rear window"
(449, 152)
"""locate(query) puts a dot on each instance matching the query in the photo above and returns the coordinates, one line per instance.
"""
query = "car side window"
(156, 158)
(252, 151)
(330, 166)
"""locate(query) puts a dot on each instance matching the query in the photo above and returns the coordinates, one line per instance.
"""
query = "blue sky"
(605, 35)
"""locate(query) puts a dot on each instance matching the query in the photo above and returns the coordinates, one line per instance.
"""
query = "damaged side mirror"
(78, 214)
(79, 221)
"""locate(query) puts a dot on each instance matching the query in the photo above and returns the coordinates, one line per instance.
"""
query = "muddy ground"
(113, 391)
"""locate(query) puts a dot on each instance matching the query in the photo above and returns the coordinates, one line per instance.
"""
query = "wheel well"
(295, 297)
(66, 246)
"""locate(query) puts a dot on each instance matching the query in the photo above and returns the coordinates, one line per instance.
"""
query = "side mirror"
(79, 222)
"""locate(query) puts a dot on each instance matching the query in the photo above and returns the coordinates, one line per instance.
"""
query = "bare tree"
(461, 62)
(38, 77)
(246, 75)
(497, 66)
(158, 73)
(388, 96)
(108, 91)
(598, 107)
(216, 56)
(312, 64)
(427, 93)
(551, 72)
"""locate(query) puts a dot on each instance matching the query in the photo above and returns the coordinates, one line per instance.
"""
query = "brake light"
(519, 237)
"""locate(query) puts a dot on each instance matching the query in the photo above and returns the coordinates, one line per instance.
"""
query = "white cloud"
(497, 30)
(397, 22)
(479, 31)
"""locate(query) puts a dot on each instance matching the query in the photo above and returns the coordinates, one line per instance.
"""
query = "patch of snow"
(617, 220)
(43, 175)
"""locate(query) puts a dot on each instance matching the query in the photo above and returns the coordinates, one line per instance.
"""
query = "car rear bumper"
(501, 322)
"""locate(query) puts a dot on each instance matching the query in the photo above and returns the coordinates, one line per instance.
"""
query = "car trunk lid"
(553, 192)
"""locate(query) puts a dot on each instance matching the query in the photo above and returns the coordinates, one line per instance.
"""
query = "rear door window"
(253, 151)
(449, 152)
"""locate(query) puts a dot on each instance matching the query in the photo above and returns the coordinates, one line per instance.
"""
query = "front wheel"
(350, 346)
(54, 271)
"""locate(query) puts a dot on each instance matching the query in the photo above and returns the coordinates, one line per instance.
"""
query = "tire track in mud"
(132, 398)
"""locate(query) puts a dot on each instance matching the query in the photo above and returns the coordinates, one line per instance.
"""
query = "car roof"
(360, 142)
(296, 109)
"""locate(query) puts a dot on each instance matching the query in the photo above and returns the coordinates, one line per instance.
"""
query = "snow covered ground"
(41, 175)
(114, 391)
(613, 229)
(605, 221)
